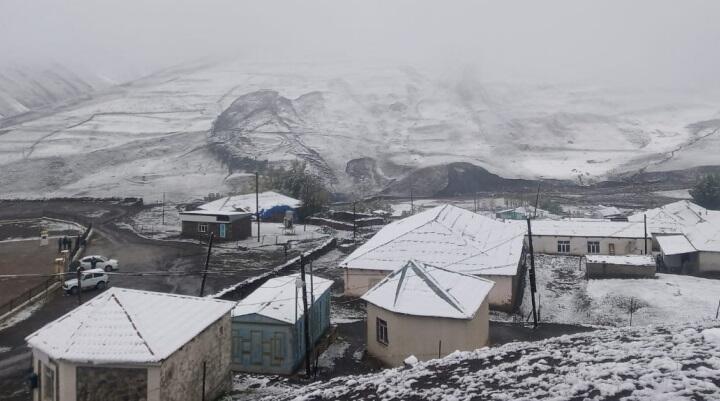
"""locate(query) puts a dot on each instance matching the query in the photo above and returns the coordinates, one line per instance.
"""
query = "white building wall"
(423, 336)
(578, 245)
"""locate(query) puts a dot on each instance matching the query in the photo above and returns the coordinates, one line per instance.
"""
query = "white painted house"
(134, 345)
(687, 236)
(426, 311)
(587, 237)
(448, 237)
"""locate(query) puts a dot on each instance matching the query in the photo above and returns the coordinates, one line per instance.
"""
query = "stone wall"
(111, 384)
(181, 374)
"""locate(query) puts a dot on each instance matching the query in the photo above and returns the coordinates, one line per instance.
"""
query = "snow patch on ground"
(335, 351)
(20, 316)
(638, 363)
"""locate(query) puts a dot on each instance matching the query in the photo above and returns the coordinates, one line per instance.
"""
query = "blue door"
(222, 230)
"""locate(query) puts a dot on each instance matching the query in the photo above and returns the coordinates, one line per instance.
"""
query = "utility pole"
(533, 287)
(79, 285)
(163, 209)
(354, 223)
(412, 205)
(306, 317)
(645, 238)
(257, 202)
(537, 199)
(207, 262)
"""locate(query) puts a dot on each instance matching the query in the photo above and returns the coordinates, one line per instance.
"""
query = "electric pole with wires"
(533, 286)
(207, 263)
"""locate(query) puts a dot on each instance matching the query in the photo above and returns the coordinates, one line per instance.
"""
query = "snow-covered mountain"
(24, 88)
(184, 130)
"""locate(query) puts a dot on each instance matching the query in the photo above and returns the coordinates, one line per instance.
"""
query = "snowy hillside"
(24, 88)
(643, 363)
(185, 130)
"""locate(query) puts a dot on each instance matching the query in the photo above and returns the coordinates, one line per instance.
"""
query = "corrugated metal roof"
(445, 236)
(674, 244)
(276, 298)
(423, 290)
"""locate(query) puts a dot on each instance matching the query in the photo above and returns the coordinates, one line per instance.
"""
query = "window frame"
(381, 331)
(202, 228)
(593, 245)
(561, 246)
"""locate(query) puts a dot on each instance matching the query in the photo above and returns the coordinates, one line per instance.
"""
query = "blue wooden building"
(268, 325)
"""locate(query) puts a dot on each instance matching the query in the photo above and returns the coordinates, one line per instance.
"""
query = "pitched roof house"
(426, 311)
(130, 344)
(445, 236)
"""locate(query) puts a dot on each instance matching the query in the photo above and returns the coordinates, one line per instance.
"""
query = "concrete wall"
(501, 297)
(424, 336)
(578, 245)
(609, 270)
(359, 281)
(181, 374)
(709, 262)
(111, 384)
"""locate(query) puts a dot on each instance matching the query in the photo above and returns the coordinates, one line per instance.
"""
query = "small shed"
(272, 205)
(426, 311)
(268, 326)
(227, 226)
(620, 266)
(134, 345)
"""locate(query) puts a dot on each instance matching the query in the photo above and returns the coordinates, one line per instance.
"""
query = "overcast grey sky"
(658, 42)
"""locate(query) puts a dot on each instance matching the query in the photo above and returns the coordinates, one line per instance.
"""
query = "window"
(593, 246)
(563, 246)
(381, 330)
(611, 249)
(202, 228)
(48, 384)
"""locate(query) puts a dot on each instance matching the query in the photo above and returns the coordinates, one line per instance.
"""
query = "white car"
(89, 279)
(100, 262)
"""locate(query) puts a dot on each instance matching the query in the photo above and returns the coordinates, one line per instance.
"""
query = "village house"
(427, 312)
(448, 237)
(227, 226)
(268, 325)
(620, 266)
(523, 212)
(134, 345)
(273, 206)
(685, 235)
(588, 237)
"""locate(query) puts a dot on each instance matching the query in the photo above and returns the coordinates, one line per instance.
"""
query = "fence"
(47, 285)
(26, 296)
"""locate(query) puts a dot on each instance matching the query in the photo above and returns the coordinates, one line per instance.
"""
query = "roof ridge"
(113, 296)
(435, 286)
(434, 219)
(71, 340)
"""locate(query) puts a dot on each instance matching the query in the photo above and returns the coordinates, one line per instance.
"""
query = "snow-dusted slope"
(642, 363)
(184, 130)
(25, 88)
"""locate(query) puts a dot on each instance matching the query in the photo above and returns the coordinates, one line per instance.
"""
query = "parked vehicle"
(98, 262)
(89, 279)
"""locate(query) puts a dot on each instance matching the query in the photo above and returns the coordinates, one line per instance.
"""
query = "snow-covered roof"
(607, 211)
(423, 290)
(215, 213)
(267, 200)
(674, 244)
(700, 226)
(276, 298)
(575, 228)
(127, 326)
(628, 260)
(445, 236)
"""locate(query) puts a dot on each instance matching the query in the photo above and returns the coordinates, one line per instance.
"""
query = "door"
(222, 229)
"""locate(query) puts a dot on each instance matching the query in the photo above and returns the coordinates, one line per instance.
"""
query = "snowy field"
(565, 296)
(645, 363)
